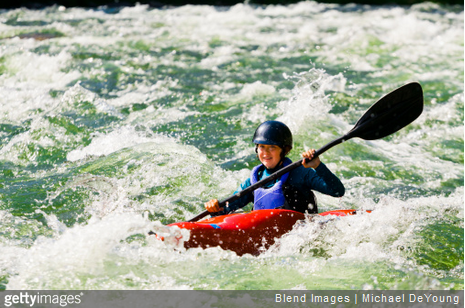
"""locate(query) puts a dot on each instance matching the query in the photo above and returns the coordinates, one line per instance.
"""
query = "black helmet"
(273, 133)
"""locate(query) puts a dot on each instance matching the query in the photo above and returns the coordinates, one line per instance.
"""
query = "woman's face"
(269, 155)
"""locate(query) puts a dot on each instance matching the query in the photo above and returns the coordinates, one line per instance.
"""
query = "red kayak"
(251, 232)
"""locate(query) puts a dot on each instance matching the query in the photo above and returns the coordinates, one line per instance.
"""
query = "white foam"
(29, 78)
(81, 249)
(309, 103)
(105, 144)
(375, 236)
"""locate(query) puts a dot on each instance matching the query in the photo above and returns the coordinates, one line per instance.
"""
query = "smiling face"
(269, 155)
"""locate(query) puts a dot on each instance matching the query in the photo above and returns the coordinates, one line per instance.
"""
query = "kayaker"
(293, 190)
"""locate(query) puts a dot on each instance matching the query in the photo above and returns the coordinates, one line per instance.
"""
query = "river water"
(114, 121)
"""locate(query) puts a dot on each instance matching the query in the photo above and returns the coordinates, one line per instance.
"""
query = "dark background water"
(37, 4)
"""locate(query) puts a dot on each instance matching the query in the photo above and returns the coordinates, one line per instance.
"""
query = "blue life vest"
(269, 198)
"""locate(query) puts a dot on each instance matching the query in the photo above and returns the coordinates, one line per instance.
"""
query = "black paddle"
(388, 115)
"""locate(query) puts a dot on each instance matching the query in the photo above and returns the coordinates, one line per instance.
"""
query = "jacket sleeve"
(239, 203)
(324, 181)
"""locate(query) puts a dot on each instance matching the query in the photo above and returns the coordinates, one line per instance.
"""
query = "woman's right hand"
(213, 206)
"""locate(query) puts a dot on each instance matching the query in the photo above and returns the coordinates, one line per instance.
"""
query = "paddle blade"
(390, 113)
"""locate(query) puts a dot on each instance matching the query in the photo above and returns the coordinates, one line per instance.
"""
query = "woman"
(293, 190)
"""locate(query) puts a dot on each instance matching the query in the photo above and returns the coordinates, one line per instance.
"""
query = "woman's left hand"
(314, 162)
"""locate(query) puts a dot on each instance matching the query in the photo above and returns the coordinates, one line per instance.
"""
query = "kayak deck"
(245, 233)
